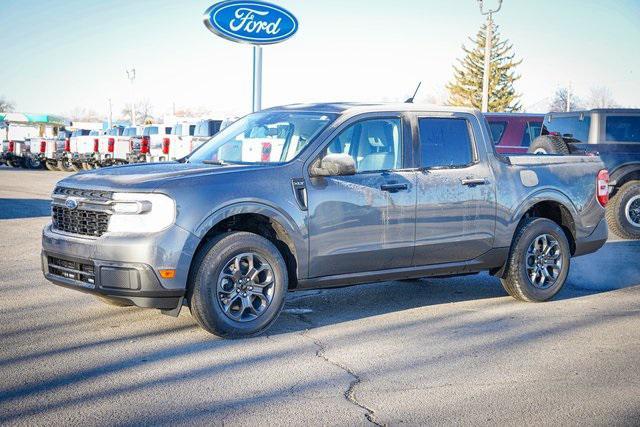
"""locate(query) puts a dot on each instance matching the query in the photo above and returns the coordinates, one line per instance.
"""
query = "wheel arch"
(264, 220)
(623, 174)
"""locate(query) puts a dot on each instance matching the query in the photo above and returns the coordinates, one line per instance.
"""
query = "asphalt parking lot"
(432, 351)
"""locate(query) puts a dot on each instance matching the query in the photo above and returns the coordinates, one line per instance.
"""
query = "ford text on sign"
(253, 22)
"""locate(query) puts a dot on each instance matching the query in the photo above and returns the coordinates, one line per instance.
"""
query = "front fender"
(295, 228)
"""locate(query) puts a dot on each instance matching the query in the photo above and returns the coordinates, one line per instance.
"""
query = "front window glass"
(623, 128)
(374, 145)
(269, 137)
(445, 143)
(130, 132)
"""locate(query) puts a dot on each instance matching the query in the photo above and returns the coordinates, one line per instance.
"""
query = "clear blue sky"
(62, 54)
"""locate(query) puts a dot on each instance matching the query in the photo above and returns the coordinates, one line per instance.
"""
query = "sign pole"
(257, 78)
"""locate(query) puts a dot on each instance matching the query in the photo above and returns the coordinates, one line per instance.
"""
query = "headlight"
(141, 213)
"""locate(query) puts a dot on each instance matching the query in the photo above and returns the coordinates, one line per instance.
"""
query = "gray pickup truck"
(341, 194)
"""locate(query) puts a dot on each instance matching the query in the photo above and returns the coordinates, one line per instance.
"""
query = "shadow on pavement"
(24, 208)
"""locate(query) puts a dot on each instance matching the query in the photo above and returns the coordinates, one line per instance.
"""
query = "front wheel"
(51, 166)
(67, 166)
(538, 262)
(238, 287)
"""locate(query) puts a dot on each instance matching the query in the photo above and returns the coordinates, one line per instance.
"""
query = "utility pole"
(131, 75)
(110, 114)
(568, 108)
(487, 52)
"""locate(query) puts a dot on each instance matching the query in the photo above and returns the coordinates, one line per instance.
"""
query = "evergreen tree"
(466, 87)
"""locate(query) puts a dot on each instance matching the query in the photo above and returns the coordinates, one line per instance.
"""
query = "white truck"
(107, 146)
(153, 135)
(174, 146)
(85, 149)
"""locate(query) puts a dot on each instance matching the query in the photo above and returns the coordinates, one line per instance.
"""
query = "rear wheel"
(51, 166)
(14, 163)
(239, 285)
(33, 163)
(86, 166)
(623, 211)
(67, 166)
(538, 262)
(549, 144)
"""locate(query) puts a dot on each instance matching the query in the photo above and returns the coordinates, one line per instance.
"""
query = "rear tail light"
(266, 152)
(602, 187)
(111, 142)
(67, 145)
(165, 146)
(144, 145)
(12, 146)
(43, 146)
(95, 145)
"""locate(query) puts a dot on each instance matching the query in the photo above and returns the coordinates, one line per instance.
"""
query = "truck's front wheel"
(538, 262)
(238, 286)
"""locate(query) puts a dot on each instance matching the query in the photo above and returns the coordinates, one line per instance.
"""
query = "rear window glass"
(80, 132)
(150, 130)
(623, 128)
(192, 129)
(130, 132)
(497, 130)
(570, 127)
(445, 143)
(531, 131)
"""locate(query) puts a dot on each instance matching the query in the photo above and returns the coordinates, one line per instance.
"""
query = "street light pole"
(110, 114)
(487, 52)
(131, 75)
(257, 79)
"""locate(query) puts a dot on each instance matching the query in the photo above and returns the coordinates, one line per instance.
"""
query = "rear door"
(455, 214)
(364, 222)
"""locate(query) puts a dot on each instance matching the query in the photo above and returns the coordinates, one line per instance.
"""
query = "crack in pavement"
(350, 393)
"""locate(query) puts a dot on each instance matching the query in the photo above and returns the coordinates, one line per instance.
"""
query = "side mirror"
(338, 164)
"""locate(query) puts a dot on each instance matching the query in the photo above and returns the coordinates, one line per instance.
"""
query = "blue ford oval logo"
(253, 22)
(71, 203)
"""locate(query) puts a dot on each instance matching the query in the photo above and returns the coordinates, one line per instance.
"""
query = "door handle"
(393, 188)
(471, 182)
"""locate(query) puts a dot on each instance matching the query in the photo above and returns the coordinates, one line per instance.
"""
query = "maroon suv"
(513, 132)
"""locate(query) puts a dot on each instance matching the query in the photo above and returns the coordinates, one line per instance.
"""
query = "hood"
(144, 176)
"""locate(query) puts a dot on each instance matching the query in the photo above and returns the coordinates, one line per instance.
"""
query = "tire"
(86, 166)
(32, 163)
(14, 163)
(115, 302)
(205, 294)
(549, 144)
(68, 166)
(622, 211)
(51, 166)
(517, 281)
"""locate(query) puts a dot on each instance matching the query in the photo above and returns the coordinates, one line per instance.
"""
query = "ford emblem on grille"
(71, 203)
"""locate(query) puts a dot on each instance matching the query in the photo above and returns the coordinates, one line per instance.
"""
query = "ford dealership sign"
(254, 22)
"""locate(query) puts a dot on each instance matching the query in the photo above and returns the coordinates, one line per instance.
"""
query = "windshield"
(150, 130)
(271, 137)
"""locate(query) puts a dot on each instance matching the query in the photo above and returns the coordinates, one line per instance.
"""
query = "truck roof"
(596, 110)
(355, 107)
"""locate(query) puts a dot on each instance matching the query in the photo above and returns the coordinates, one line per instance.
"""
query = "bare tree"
(6, 106)
(560, 99)
(80, 114)
(600, 97)
(144, 111)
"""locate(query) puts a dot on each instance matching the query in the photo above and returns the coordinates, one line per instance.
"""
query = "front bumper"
(121, 266)
(594, 241)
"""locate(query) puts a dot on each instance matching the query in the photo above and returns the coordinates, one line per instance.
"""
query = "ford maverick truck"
(354, 194)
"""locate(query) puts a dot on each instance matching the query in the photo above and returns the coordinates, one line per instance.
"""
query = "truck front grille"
(91, 215)
(77, 221)
(74, 270)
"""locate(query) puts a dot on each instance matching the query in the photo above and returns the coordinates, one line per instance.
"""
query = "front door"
(455, 213)
(364, 222)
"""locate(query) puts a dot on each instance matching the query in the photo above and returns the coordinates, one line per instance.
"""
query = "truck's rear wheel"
(548, 144)
(51, 166)
(67, 166)
(86, 166)
(623, 211)
(14, 163)
(538, 262)
(238, 285)
(33, 163)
